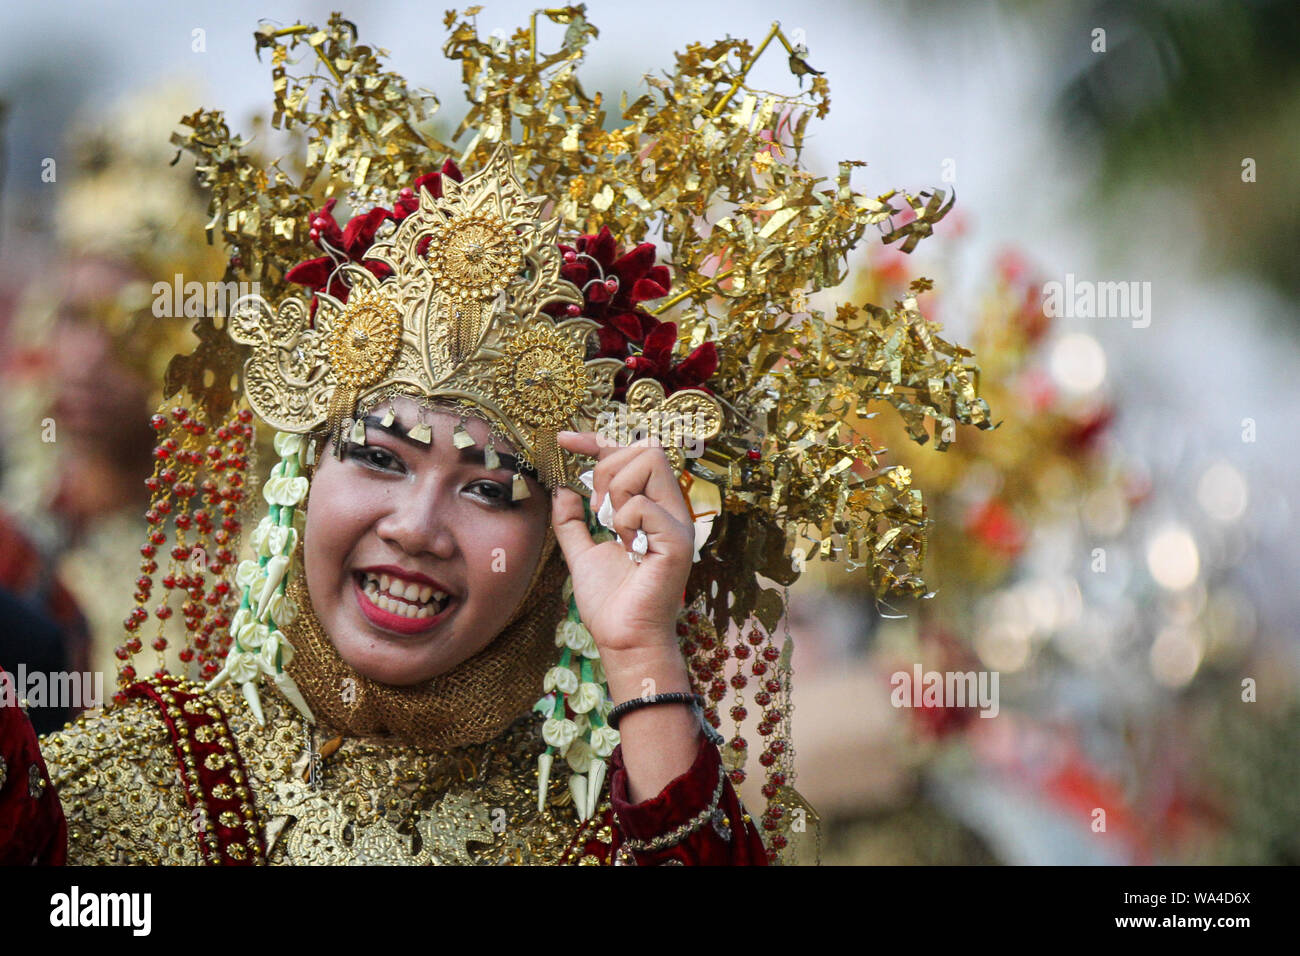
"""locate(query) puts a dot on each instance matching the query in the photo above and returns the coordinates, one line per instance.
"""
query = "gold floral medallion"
(542, 382)
(472, 259)
(362, 348)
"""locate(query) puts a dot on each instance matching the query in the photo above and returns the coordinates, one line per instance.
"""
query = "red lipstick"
(389, 621)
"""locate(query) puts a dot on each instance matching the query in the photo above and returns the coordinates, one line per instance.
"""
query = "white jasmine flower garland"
(260, 649)
(577, 686)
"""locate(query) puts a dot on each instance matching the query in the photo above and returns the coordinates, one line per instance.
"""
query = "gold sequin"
(214, 761)
(35, 782)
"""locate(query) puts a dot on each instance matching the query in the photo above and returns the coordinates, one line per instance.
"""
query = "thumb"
(569, 522)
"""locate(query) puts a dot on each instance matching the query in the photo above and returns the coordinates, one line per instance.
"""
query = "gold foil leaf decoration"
(709, 163)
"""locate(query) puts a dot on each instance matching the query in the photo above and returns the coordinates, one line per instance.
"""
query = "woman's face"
(397, 523)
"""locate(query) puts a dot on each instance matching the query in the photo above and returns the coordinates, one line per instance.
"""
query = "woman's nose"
(417, 525)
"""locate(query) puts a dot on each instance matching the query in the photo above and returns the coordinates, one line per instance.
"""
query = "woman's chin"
(381, 662)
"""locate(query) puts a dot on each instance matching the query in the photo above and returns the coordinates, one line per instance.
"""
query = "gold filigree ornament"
(677, 422)
(362, 349)
(461, 319)
(543, 379)
(472, 259)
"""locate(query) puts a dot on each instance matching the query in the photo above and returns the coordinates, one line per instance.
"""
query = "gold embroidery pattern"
(117, 779)
(244, 841)
(596, 827)
(35, 782)
(712, 813)
(379, 802)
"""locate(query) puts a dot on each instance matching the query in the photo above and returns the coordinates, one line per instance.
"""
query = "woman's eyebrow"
(473, 455)
(377, 423)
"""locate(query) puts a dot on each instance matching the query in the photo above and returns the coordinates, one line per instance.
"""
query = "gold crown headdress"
(714, 167)
(460, 318)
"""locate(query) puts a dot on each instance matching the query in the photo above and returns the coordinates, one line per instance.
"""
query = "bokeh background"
(1120, 551)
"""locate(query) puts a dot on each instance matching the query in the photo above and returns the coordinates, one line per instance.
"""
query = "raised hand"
(631, 607)
(627, 605)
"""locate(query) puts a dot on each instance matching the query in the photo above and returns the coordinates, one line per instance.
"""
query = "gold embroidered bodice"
(372, 800)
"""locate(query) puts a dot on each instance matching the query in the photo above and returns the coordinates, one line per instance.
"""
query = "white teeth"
(405, 599)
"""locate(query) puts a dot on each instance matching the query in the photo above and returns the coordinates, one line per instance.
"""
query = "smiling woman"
(445, 536)
(432, 582)
(408, 622)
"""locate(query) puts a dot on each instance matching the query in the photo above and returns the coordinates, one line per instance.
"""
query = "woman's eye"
(493, 491)
(374, 457)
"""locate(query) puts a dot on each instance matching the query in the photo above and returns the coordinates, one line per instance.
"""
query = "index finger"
(592, 445)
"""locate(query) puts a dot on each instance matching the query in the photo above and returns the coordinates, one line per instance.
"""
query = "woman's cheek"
(503, 560)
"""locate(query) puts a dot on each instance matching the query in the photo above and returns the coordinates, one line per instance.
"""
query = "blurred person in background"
(82, 358)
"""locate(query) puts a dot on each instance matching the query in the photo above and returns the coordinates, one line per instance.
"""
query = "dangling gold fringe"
(466, 321)
(343, 404)
(519, 488)
(549, 461)
(461, 437)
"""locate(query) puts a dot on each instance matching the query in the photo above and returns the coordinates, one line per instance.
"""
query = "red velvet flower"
(614, 284)
(408, 199)
(656, 361)
(324, 274)
(350, 244)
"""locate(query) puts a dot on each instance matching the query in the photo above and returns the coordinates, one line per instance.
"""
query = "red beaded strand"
(756, 657)
(774, 726)
(183, 470)
(226, 493)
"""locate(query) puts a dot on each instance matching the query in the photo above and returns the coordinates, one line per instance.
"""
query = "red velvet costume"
(32, 827)
(726, 838)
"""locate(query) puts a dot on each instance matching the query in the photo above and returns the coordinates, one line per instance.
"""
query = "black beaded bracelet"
(636, 703)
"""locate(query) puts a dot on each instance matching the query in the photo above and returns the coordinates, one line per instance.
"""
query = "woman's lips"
(389, 621)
